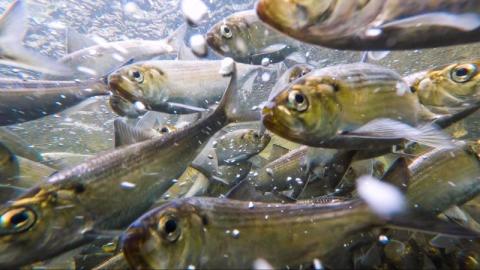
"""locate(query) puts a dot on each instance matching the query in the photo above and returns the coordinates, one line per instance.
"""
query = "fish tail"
(13, 27)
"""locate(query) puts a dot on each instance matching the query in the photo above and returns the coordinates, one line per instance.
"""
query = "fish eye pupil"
(136, 74)
(19, 218)
(170, 226)
(299, 98)
(461, 72)
(164, 130)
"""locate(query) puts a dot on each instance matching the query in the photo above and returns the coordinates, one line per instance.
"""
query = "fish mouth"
(132, 242)
(119, 86)
(213, 42)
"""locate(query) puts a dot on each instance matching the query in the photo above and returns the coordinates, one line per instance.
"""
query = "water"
(87, 128)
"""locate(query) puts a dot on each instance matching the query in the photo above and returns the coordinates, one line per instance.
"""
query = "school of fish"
(242, 148)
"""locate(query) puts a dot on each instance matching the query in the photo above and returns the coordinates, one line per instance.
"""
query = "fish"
(62, 160)
(117, 262)
(75, 205)
(375, 25)
(13, 28)
(162, 86)
(444, 88)
(221, 233)
(240, 145)
(442, 178)
(27, 100)
(123, 107)
(89, 58)
(350, 106)
(293, 73)
(18, 145)
(246, 39)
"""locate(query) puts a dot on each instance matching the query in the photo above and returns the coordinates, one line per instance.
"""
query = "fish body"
(105, 192)
(246, 39)
(443, 178)
(221, 233)
(240, 145)
(22, 101)
(176, 87)
(329, 102)
(375, 25)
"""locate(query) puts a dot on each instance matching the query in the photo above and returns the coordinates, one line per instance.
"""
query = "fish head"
(37, 226)
(307, 109)
(253, 140)
(292, 16)
(449, 86)
(292, 74)
(137, 82)
(123, 107)
(168, 237)
(230, 37)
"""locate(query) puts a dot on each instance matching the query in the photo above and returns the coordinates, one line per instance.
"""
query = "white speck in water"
(451, 184)
(198, 45)
(127, 185)
(86, 70)
(118, 57)
(191, 267)
(383, 198)
(266, 217)
(57, 25)
(266, 77)
(383, 239)
(265, 61)
(194, 10)
(402, 88)
(139, 106)
(226, 67)
(317, 264)
(262, 264)
(250, 205)
(235, 234)
(299, 181)
(373, 32)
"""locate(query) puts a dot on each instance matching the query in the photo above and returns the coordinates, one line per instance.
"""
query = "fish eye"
(297, 101)
(169, 229)
(463, 73)
(226, 31)
(136, 75)
(164, 130)
(17, 220)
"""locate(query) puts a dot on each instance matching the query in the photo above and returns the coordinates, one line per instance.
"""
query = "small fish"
(352, 106)
(246, 39)
(98, 57)
(75, 205)
(13, 28)
(240, 145)
(451, 86)
(212, 233)
(162, 85)
(27, 100)
(375, 25)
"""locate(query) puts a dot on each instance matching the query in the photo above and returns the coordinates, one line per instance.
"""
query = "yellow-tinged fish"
(448, 87)
(375, 24)
(354, 106)
(216, 233)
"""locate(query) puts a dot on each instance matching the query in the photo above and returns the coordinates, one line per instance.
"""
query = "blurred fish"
(27, 100)
(448, 87)
(62, 160)
(375, 25)
(18, 145)
(246, 39)
(176, 87)
(93, 58)
(352, 106)
(74, 206)
(222, 233)
(13, 28)
(240, 145)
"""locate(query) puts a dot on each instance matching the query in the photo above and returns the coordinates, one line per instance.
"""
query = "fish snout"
(132, 243)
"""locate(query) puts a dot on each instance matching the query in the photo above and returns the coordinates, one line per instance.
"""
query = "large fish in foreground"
(22, 101)
(105, 192)
(351, 106)
(375, 24)
(13, 28)
(208, 233)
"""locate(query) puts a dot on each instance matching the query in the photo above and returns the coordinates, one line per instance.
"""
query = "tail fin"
(13, 27)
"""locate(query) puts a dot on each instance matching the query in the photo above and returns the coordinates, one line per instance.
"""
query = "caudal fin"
(13, 27)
